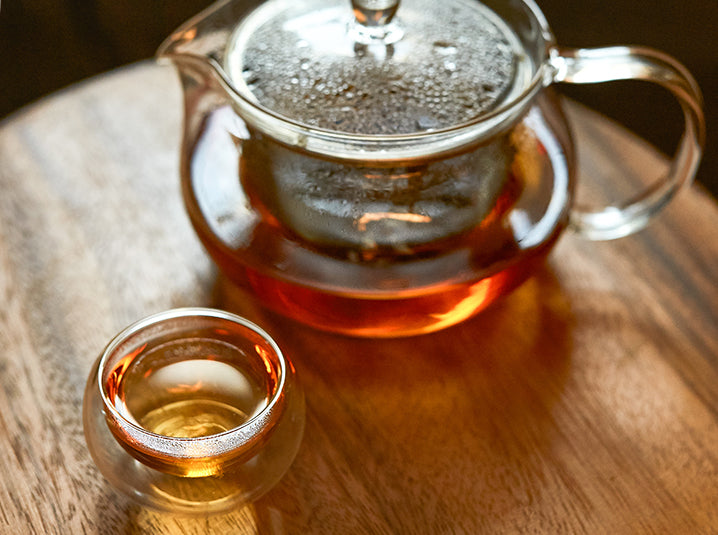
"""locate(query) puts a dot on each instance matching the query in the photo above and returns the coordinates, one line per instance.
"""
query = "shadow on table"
(445, 419)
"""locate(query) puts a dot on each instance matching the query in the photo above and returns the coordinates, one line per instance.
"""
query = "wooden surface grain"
(586, 402)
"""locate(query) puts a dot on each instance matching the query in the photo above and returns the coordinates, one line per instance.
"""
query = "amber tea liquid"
(375, 288)
(189, 388)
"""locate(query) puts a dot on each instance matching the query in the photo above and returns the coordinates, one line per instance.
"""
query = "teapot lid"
(374, 67)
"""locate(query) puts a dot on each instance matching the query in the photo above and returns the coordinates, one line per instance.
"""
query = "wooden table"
(586, 402)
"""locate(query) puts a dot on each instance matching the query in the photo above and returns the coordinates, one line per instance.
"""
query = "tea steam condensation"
(447, 69)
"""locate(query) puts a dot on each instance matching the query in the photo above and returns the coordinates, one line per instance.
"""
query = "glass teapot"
(378, 169)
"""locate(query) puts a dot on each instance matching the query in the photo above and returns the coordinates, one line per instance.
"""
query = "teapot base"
(391, 315)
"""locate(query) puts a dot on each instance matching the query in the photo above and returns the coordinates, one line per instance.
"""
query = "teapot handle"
(595, 65)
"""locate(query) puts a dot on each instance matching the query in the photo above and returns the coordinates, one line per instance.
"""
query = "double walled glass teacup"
(193, 411)
(390, 170)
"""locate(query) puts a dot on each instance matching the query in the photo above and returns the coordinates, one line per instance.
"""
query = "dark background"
(46, 45)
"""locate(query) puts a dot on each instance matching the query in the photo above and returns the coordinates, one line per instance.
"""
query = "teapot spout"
(201, 42)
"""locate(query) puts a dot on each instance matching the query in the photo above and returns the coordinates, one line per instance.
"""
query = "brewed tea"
(188, 388)
(398, 279)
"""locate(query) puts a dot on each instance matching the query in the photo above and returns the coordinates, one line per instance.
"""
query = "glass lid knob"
(373, 21)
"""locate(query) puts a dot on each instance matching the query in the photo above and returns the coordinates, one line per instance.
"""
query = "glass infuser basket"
(384, 169)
